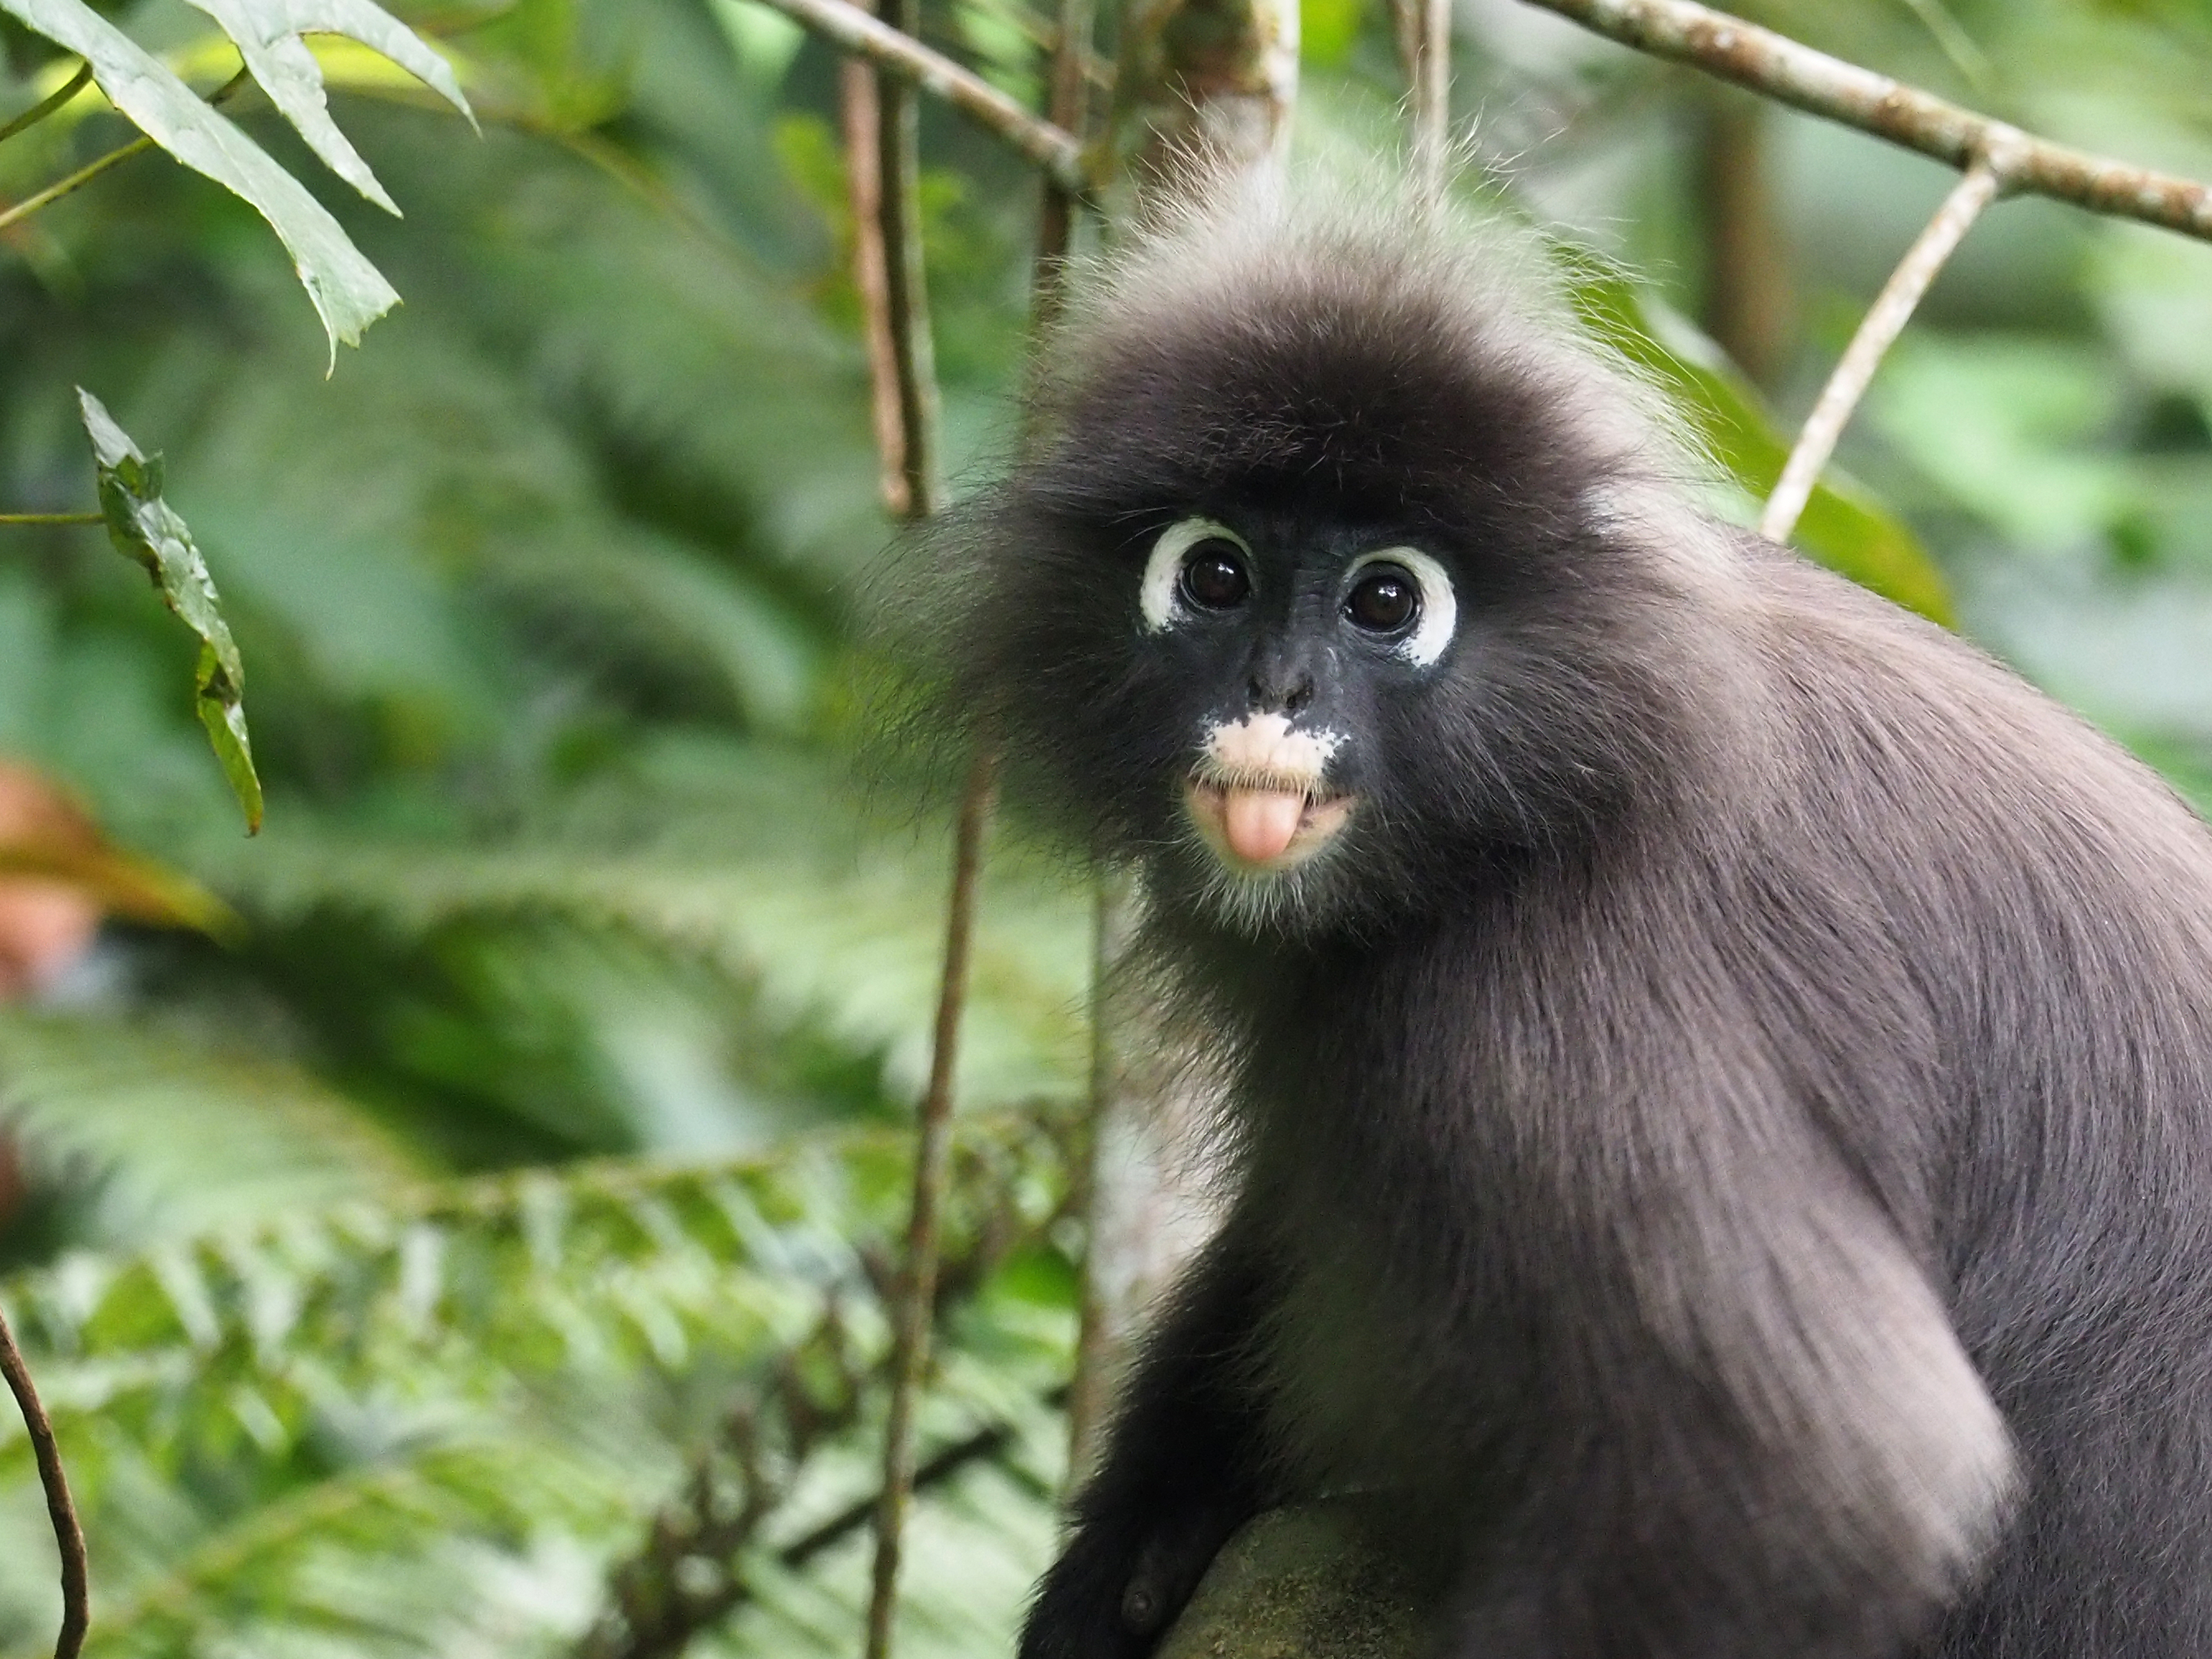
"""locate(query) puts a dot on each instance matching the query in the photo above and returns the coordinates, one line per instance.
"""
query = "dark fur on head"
(1724, 1132)
(1247, 360)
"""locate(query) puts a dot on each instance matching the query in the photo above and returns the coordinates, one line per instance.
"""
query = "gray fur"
(1724, 1132)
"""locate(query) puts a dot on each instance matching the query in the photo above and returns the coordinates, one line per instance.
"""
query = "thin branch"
(1878, 330)
(905, 379)
(1069, 103)
(987, 1442)
(61, 187)
(47, 105)
(91, 170)
(61, 1509)
(1424, 29)
(861, 115)
(897, 53)
(917, 1290)
(51, 518)
(905, 284)
(1781, 69)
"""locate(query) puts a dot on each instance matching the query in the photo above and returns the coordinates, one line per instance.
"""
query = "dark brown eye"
(1384, 600)
(1213, 576)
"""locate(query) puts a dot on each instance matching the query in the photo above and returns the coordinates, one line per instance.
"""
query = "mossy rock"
(1302, 1584)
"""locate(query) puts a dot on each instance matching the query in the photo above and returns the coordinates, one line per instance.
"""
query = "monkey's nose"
(1287, 693)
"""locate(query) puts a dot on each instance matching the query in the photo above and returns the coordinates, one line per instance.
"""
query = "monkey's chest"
(1375, 1378)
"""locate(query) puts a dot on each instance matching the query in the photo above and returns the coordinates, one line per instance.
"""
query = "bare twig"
(1425, 46)
(916, 1299)
(92, 170)
(1781, 69)
(48, 105)
(940, 1466)
(69, 1536)
(906, 288)
(1884, 321)
(897, 53)
(51, 518)
(905, 381)
(61, 187)
(862, 116)
(1070, 106)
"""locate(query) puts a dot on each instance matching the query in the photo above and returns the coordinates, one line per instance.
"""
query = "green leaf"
(1842, 527)
(1328, 29)
(349, 293)
(760, 860)
(374, 1404)
(185, 1133)
(268, 35)
(146, 528)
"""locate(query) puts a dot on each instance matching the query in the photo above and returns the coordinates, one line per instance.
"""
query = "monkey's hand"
(1116, 1590)
(1182, 1471)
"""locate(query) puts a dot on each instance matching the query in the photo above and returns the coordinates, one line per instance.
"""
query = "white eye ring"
(1439, 606)
(1160, 596)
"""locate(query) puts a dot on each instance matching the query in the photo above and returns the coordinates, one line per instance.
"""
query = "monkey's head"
(1338, 572)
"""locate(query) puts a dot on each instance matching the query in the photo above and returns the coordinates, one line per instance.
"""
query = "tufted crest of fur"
(1263, 351)
(1725, 1131)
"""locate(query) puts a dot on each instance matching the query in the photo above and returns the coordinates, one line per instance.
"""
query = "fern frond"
(758, 859)
(315, 1387)
(186, 1135)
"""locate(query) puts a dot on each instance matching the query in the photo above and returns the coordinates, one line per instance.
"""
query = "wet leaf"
(268, 33)
(349, 293)
(146, 528)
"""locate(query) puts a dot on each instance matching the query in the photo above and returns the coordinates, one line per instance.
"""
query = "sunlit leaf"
(1841, 527)
(268, 33)
(1327, 30)
(146, 528)
(349, 293)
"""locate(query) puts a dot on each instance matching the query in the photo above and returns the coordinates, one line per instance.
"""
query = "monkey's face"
(1316, 599)
(1295, 709)
(1277, 648)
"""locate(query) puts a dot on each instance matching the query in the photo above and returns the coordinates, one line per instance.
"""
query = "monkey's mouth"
(1261, 825)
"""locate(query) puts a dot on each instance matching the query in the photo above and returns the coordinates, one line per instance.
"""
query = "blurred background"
(394, 1245)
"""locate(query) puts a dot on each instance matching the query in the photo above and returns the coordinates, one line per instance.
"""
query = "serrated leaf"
(349, 293)
(268, 33)
(146, 528)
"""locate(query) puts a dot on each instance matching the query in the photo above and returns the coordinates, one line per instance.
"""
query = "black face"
(1278, 650)
(1314, 619)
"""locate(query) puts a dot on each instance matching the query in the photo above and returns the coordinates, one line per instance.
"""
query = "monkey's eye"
(1197, 565)
(1213, 576)
(1384, 600)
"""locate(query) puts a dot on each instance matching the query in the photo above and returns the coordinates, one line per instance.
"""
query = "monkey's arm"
(1770, 1440)
(1182, 1471)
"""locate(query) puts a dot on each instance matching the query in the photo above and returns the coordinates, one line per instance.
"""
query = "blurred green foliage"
(382, 1262)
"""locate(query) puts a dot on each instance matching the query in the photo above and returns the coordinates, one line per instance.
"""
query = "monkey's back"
(2051, 899)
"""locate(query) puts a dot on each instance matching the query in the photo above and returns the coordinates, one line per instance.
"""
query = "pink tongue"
(1258, 823)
